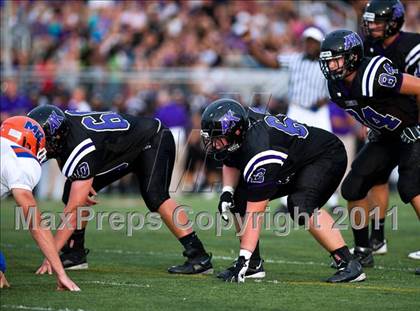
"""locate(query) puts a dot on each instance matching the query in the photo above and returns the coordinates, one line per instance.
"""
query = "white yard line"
(227, 258)
(115, 284)
(21, 307)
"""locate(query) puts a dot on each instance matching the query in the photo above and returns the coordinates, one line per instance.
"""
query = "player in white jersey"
(22, 144)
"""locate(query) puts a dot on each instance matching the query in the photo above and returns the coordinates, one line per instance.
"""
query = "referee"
(307, 88)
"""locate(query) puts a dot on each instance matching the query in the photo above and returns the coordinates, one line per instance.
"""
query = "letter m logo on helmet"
(350, 41)
(35, 129)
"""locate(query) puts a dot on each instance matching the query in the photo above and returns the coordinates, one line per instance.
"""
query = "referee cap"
(314, 33)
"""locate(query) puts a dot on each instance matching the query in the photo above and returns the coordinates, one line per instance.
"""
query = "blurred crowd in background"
(83, 55)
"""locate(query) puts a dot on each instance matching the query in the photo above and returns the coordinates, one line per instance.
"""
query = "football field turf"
(129, 273)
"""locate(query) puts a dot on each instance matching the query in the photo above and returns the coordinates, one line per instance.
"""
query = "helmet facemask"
(212, 141)
(386, 27)
(42, 155)
(54, 144)
(340, 72)
(56, 130)
(39, 151)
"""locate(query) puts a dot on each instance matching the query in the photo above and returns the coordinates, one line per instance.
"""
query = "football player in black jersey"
(376, 94)
(382, 22)
(272, 157)
(97, 148)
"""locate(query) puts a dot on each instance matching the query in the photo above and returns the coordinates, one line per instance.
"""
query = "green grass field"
(129, 273)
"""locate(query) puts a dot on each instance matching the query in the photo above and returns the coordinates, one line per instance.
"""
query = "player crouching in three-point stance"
(22, 142)
(376, 94)
(273, 157)
(94, 150)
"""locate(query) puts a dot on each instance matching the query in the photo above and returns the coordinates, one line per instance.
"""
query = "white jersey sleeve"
(19, 170)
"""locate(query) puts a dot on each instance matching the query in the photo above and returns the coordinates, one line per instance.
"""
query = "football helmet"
(339, 44)
(54, 123)
(224, 122)
(27, 133)
(390, 12)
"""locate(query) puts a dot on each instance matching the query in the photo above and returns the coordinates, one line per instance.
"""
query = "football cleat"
(74, 259)
(195, 264)
(255, 271)
(414, 255)
(379, 247)
(348, 273)
(417, 271)
(364, 256)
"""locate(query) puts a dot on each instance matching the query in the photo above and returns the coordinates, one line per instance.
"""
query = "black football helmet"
(337, 44)
(391, 12)
(223, 118)
(54, 123)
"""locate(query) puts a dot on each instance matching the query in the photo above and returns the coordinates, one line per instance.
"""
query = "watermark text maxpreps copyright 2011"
(279, 222)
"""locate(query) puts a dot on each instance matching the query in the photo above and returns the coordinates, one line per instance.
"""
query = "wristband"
(228, 189)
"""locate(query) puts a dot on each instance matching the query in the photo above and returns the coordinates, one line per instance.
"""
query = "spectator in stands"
(13, 102)
(78, 100)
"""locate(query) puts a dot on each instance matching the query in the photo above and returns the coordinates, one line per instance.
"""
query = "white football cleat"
(414, 255)
(379, 247)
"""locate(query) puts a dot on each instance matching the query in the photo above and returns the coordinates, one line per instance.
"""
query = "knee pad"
(409, 171)
(408, 188)
(300, 209)
(240, 199)
(354, 187)
(154, 200)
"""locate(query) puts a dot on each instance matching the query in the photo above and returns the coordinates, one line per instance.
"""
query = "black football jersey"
(404, 52)
(274, 149)
(374, 100)
(101, 142)
(255, 114)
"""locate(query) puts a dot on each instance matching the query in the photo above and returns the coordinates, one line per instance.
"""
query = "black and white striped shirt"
(306, 84)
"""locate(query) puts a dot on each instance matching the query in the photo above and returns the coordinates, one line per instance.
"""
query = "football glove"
(225, 204)
(240, 268)
(411, 134)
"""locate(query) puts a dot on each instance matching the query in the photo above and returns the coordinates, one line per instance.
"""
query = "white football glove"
(226, 203)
